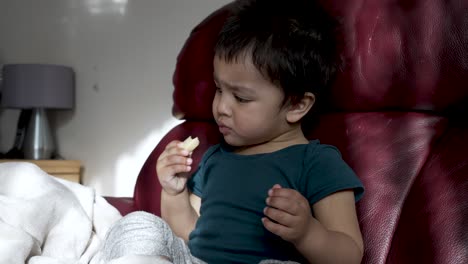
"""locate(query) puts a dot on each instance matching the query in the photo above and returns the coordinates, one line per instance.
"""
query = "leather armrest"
(125, 205)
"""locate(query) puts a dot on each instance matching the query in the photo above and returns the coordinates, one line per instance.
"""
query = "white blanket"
(44, 219)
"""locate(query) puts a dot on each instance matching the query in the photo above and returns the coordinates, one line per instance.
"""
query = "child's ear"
(297, 111)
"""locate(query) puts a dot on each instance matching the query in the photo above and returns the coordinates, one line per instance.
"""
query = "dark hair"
(291, 42)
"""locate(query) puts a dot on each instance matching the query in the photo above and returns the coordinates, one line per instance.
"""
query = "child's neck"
(288, 138)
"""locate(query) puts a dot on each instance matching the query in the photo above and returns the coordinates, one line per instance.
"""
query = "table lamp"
(38, 87)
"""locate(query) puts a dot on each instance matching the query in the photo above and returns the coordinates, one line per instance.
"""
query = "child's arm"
(179, 212)
(333, 236)
(179, 208)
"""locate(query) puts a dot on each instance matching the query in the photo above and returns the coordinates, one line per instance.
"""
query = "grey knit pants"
(142, 233)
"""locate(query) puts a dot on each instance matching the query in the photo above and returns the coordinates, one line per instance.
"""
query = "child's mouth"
(224, 130)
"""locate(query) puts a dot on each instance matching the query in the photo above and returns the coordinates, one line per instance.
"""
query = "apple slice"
(190, 143)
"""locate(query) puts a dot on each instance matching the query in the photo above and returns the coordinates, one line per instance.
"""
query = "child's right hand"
(172, 167)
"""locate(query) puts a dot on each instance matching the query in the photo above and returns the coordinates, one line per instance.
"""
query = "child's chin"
(232, 142)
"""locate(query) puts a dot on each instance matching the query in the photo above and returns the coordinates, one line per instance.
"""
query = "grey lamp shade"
(38, 86)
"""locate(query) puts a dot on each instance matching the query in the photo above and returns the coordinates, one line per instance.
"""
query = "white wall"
(124, 54)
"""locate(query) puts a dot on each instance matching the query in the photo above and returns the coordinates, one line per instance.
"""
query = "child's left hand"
(291, 212)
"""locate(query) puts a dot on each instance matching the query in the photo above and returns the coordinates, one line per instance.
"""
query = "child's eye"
(218, 90)
(241, 100)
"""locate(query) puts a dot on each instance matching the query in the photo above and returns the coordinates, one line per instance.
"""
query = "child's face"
(247, 107)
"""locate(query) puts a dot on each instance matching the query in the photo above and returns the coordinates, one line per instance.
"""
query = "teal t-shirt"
(233, 189)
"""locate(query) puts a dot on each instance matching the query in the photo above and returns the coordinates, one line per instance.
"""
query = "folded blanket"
(44, 219)
(47, 220)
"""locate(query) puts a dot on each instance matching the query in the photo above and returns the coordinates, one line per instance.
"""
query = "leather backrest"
(399, 55)
(402, 55)
(403, 91)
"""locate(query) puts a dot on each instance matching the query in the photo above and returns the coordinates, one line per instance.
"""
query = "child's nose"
(222, 106)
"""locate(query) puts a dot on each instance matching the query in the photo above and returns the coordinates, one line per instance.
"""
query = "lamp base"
(38, 143)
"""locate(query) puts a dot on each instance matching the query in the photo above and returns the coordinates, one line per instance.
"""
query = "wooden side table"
(64, 169)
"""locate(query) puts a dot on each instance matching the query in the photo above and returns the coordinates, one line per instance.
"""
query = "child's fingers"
(276, 228)
(177, 169)
(284, 204)
(279, 216)
(283, 192)
(173, 144)
(173, 164)
(174, 149)
(176, 160)
(167, 167)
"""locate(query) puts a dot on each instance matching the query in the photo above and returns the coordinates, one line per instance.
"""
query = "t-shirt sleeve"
(326, 173)
(195, 183)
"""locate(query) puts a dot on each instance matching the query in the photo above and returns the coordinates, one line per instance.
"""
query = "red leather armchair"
(398, 113)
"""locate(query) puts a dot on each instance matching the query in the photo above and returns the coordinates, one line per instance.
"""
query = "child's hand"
(287, 214)
(172, 167)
